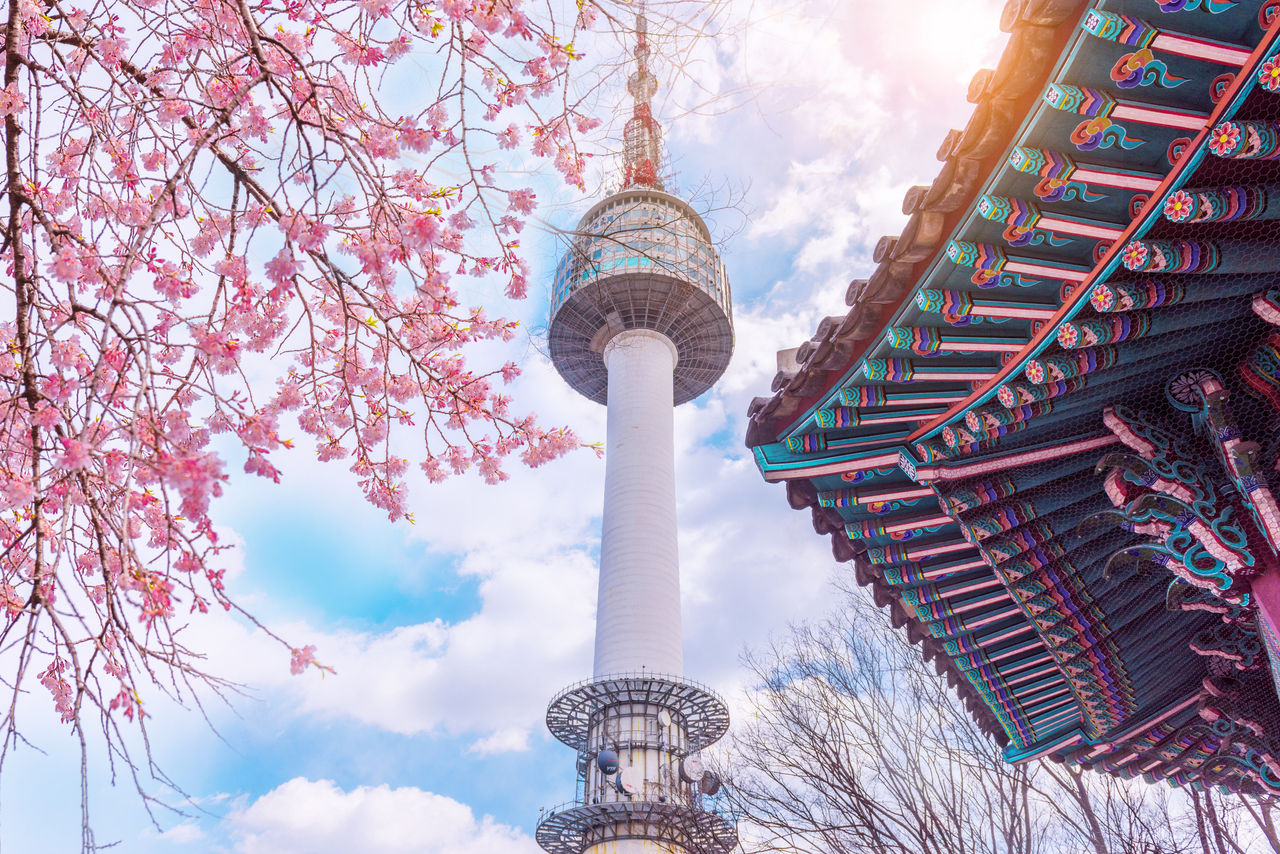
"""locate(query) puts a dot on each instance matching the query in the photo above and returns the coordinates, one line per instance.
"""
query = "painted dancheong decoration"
(1064, 179)
(1088, 329)
(641, 322)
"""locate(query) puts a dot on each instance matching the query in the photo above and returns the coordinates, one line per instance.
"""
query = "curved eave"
(1138, 227)
(1039, 35)
(849, 441)
(809, 375)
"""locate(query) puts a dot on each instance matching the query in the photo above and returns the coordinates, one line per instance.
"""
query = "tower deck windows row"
(641, 259)
(641, 231)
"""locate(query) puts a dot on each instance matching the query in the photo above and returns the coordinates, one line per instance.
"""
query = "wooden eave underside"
(1042, 658)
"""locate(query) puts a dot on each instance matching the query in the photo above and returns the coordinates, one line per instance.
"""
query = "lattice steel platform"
(700, 711)
(570, 828)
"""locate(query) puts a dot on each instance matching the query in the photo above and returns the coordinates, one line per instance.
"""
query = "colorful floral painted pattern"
(1213, 7)
(1141, 68)
(1101, 132)
(1224, 139)
(1179, 206)
(1135, 255)
(1269, 75)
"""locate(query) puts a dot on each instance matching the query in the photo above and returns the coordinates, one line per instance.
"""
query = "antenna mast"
(641, 136)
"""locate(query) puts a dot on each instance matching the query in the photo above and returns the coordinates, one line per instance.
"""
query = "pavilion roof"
(945, 430)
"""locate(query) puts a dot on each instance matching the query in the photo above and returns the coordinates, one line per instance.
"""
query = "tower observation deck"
(641, 322)
(641, 259)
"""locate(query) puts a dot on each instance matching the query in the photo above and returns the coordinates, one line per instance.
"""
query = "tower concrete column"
(638, 610)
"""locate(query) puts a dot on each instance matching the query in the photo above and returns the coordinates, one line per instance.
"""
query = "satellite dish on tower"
(607, 761)
(664, 718)
(627, 783)
(691, 769)
(710, 783)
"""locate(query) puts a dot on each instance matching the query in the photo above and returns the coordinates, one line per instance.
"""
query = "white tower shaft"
(642, 269)
(638, 611)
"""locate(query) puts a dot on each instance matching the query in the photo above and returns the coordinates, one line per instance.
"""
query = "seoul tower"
(640, 321)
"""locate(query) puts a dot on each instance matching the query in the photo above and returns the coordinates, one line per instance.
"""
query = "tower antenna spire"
(641, 136)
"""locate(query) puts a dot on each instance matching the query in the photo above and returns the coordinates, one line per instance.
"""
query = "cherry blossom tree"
(227, 221)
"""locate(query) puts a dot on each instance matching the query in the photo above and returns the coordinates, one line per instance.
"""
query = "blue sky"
(449, 636)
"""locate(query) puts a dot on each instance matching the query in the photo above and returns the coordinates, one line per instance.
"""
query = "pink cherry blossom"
(301, 659)
(509, 138)
(56, 684)
(282, 268)
(66, 266)
(46, 416)
(11, 100)
(224, 234)
(74, 454)
(461, 220)
(521, 201)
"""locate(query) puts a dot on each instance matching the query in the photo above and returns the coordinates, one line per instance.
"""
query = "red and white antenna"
(641, 136)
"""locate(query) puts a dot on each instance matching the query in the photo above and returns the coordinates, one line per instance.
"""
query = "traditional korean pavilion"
(1045, 431)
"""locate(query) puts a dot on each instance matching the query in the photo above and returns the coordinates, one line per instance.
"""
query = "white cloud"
(846, 109)
(489, 673)
(833, 211)
(526, 545)
(749, 564)
(183, 834)
(511, 740)
(317, 817)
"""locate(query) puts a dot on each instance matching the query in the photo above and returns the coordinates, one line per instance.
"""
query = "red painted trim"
(1266, 595)
(1094, 174)
(1208, 50)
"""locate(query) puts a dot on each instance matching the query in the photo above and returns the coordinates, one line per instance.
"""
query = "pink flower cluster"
(224, 233)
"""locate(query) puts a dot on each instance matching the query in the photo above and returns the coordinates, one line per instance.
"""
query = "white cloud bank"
(317, 817)
(489, 674)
